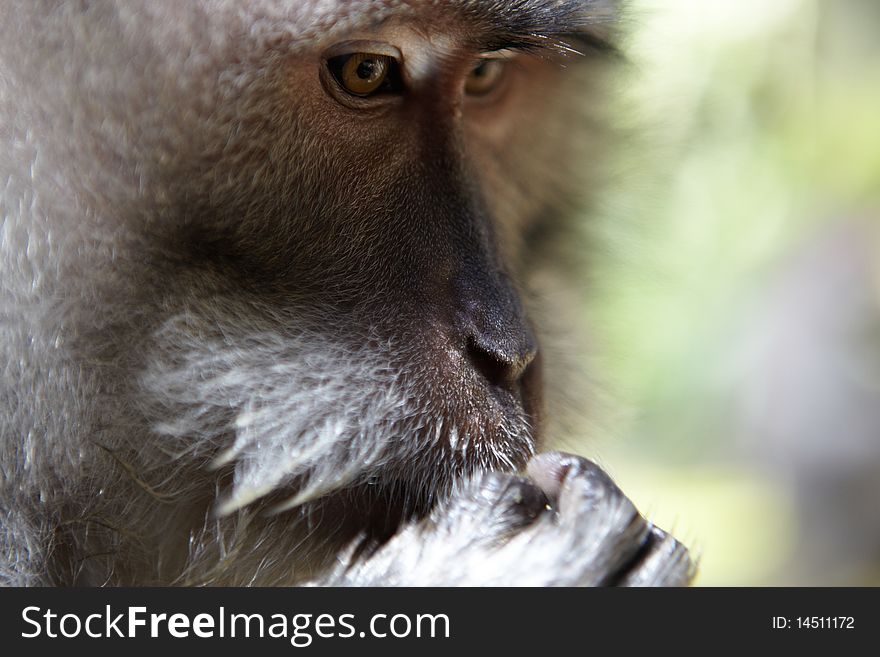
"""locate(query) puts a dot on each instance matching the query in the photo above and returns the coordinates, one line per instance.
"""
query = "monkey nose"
(502, 362)
(498, 342)
(492, 329)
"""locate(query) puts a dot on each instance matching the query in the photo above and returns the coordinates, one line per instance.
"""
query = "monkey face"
(299, 246)
(349, 237)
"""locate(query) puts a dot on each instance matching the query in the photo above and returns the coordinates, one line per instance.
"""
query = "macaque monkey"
(281, 289)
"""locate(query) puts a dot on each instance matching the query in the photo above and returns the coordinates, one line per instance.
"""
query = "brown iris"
(364, 74)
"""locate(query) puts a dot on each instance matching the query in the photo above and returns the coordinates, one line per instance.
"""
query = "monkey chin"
(493, 430)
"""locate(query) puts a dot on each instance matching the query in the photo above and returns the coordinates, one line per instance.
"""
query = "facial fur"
(244, 315)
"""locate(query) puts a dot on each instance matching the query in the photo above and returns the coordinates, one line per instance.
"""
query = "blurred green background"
(735, 290)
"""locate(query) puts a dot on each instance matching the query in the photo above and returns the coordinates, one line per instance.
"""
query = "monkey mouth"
(488, 427)
(479, 416)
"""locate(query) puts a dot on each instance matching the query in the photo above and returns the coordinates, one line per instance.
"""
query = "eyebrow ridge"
(565, 27)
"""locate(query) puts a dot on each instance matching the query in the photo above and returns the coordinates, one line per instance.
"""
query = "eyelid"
(503, 53)
(369, 47)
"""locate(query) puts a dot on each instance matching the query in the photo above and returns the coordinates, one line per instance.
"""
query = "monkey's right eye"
(365, 74)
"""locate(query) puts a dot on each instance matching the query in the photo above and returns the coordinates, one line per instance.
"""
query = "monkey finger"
(662, 561)
(615, 543)
(573, 482)
(503, 502)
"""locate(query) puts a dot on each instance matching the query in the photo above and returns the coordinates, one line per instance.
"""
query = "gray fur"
(216, 298)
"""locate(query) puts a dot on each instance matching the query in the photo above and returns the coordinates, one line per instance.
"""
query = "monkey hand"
(565, 524)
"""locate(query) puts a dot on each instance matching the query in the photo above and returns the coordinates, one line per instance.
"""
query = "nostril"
(498, 367)
(488, 365)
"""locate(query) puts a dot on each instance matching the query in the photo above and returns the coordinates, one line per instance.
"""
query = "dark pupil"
(479, 70)
(366, 70)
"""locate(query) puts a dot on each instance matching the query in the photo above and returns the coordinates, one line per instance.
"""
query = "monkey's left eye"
(365, 74)
(484, 77)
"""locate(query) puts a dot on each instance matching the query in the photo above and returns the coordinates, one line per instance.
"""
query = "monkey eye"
(484, 77)
(366, 74)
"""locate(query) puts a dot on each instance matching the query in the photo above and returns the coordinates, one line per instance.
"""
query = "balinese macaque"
(279, 287)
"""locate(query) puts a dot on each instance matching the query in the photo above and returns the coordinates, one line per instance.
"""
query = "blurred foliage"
(754, 124)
